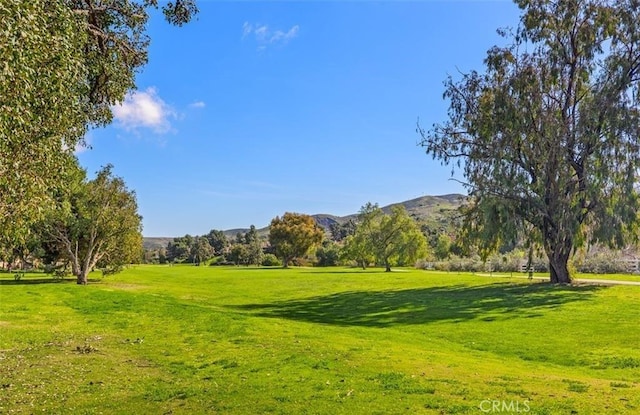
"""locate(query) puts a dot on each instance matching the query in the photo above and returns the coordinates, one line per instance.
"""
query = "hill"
(151, 243)
(426, 209)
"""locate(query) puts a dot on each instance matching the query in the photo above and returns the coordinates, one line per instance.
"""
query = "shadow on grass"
(313, 270)
(425, 305)
(355, 271)
(37, 281)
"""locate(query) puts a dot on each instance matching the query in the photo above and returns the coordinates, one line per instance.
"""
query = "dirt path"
(606, 282)
(576, 280)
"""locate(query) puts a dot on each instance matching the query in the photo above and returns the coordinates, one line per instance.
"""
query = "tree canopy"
(548, 137)
(387, 239)
(293, 235)
(64, 65)
(218, 241)
(96, 223)
(42, 113)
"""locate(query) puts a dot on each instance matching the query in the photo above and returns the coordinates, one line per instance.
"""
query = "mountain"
(427, 209)
(151, 243)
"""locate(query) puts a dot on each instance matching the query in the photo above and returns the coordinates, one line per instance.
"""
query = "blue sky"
(259, 108)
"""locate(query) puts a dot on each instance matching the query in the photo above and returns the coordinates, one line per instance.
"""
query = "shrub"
(424, 264)
(506, 263)
(603, 263)
(458, 264)
(270, 260)
(328, 255)
(302, 262)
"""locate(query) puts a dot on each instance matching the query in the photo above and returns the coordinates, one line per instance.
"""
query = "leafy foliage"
(218, 241)
(270, 260)
(340, 231)
(254, 246)
(394, 238)
(96, 223)
(201, 250)
(548, 137)
(239, 254)
(328, 254)
(41, 116)
(293, 236)
(64, 64)
(179, 249)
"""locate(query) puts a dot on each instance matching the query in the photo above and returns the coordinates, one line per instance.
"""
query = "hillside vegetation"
(426, 209)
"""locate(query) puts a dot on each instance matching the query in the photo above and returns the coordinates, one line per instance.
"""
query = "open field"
(192, 340)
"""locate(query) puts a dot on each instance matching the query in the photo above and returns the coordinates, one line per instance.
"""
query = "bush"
(603, 263)
(424, 264)
(220, 260)
(328, 255)
(458, 264)
(270, 260)
(302, 262)
(510, 262)
(541, 264)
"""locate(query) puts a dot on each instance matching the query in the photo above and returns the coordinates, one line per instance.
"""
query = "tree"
(254, 246)
(218, 241)
(399, 239)
(293, 236)
(328, 254)
(393, 238)
(239, 254)
(340, 231)
(179, 249)
(549, 137)
(442, 249)
(200, 250)
(358, 246)
(41, 116)
(96, 223)
(64, 64)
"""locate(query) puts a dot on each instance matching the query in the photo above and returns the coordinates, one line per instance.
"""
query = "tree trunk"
(558, 245)
(558, 268)
(387, 267)
(82, 277)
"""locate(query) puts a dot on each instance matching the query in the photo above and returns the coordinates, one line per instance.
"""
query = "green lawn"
(618, 277)
(193, 340)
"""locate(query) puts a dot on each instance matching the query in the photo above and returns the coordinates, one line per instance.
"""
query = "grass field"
(190, 340)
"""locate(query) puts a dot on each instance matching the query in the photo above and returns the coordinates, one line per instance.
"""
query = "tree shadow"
(250, 268)
(457, 303)
(38, 281)
(353, 271)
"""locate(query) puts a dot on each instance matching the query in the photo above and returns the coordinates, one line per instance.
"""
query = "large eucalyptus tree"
(548, 137)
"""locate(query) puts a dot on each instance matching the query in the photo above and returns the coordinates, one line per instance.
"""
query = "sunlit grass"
(182, 339)
(617, 277)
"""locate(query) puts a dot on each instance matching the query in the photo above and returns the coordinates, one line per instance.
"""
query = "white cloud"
(144, 109)
(197, 104)
(262, 33)
(247, 28)
(264, 36)
(280, 36)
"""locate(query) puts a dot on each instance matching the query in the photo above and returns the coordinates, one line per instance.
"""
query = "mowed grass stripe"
(182, 339)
